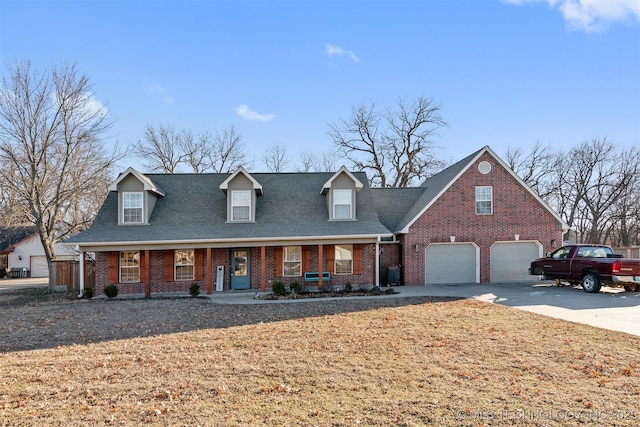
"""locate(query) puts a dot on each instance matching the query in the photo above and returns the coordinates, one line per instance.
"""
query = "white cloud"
(247, 114)
(333, 50)
(162, 92)
(591, 15)
(95, 106)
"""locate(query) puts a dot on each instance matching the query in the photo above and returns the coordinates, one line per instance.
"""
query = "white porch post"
(377, 261)
(81, 273)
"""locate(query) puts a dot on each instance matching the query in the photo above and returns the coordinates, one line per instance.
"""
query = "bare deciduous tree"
(594, 187)
(275, 158)
(310, 162)
(227, 152)
(393, 145)
(161, 148)
(167, 150)
(13, 209)
(536, 167)
(52, 156)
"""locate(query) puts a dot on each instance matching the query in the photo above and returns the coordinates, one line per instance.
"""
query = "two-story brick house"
(476, 221)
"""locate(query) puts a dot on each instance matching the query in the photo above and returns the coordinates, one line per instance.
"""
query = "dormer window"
(242, 190)
(241, 205)
(342, 204)
(340, 191)
(137, 196)
(132, 208)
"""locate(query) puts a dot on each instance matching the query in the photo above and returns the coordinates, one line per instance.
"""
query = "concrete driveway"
(12, 284)
(611, 308)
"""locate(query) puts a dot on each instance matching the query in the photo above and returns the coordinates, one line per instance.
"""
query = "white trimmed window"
(184, 264)
(342, 204)
(132, 208)
(344, 259)
(129, 266)
(292, 261)
(241, 205)
(484, 200)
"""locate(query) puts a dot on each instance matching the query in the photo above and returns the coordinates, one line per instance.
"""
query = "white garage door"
(39, 266)
(452, 263)
(510, 260)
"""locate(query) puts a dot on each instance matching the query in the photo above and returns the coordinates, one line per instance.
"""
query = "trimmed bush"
(194, 290)
(278, 288)
(88, 293)
(295, 287)
(111, 291)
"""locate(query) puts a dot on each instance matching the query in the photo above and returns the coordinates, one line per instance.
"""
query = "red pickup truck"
(589, 265)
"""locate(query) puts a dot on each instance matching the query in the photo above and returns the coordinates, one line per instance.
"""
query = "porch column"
(320, 266)
(263, 268)
(377, 267)
(81, 273)
(147, 268)
(209, 269)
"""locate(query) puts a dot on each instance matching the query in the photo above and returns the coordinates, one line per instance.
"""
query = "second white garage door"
(510, 261)
(452, 263)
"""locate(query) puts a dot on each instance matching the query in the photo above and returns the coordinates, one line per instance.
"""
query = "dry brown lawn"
(404, 361)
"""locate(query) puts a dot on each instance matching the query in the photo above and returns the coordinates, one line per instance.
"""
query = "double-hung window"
(292, 261)
(129, 266)
(344, 259)
(484, 200)
(132, 208)
(342, 204)
(184, 264)
(241, 205)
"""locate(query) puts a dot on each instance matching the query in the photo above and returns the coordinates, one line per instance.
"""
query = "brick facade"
(223, 257)
(515, 211)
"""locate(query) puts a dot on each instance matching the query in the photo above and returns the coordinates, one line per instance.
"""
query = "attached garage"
(452, 263)
(39, 266)
(510, 260)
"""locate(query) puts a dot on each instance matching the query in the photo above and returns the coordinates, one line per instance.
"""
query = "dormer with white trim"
(341, 191)
(242, 191)
(137, 196)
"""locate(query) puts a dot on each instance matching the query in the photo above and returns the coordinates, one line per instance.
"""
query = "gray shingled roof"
(12, 235)
(194, 208)
(397, 207)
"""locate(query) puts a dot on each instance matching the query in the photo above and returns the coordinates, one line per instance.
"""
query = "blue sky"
(507, 72)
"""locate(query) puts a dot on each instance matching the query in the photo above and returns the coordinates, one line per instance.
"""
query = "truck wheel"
(591, 283)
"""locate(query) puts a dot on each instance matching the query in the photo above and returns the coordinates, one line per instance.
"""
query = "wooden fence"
(67, 273)
(628, 252)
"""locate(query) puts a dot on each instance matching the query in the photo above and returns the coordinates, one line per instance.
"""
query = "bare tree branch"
(275, 158)
(394, 146)
(52, 157)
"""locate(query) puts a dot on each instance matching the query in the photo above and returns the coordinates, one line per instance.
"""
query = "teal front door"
(240, 269)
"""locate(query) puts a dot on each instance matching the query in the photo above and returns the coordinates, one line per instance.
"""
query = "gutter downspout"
(81, 273)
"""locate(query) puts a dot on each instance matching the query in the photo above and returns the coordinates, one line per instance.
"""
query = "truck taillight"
(616, 267)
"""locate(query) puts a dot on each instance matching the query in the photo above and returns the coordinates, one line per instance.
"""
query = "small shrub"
(111, 291)
(348, 287)
(194, 290)
(278, 288)
(375, 290)
(296, 287)
(88, 293)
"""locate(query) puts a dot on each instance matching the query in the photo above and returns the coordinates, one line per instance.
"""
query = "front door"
(240, 269)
